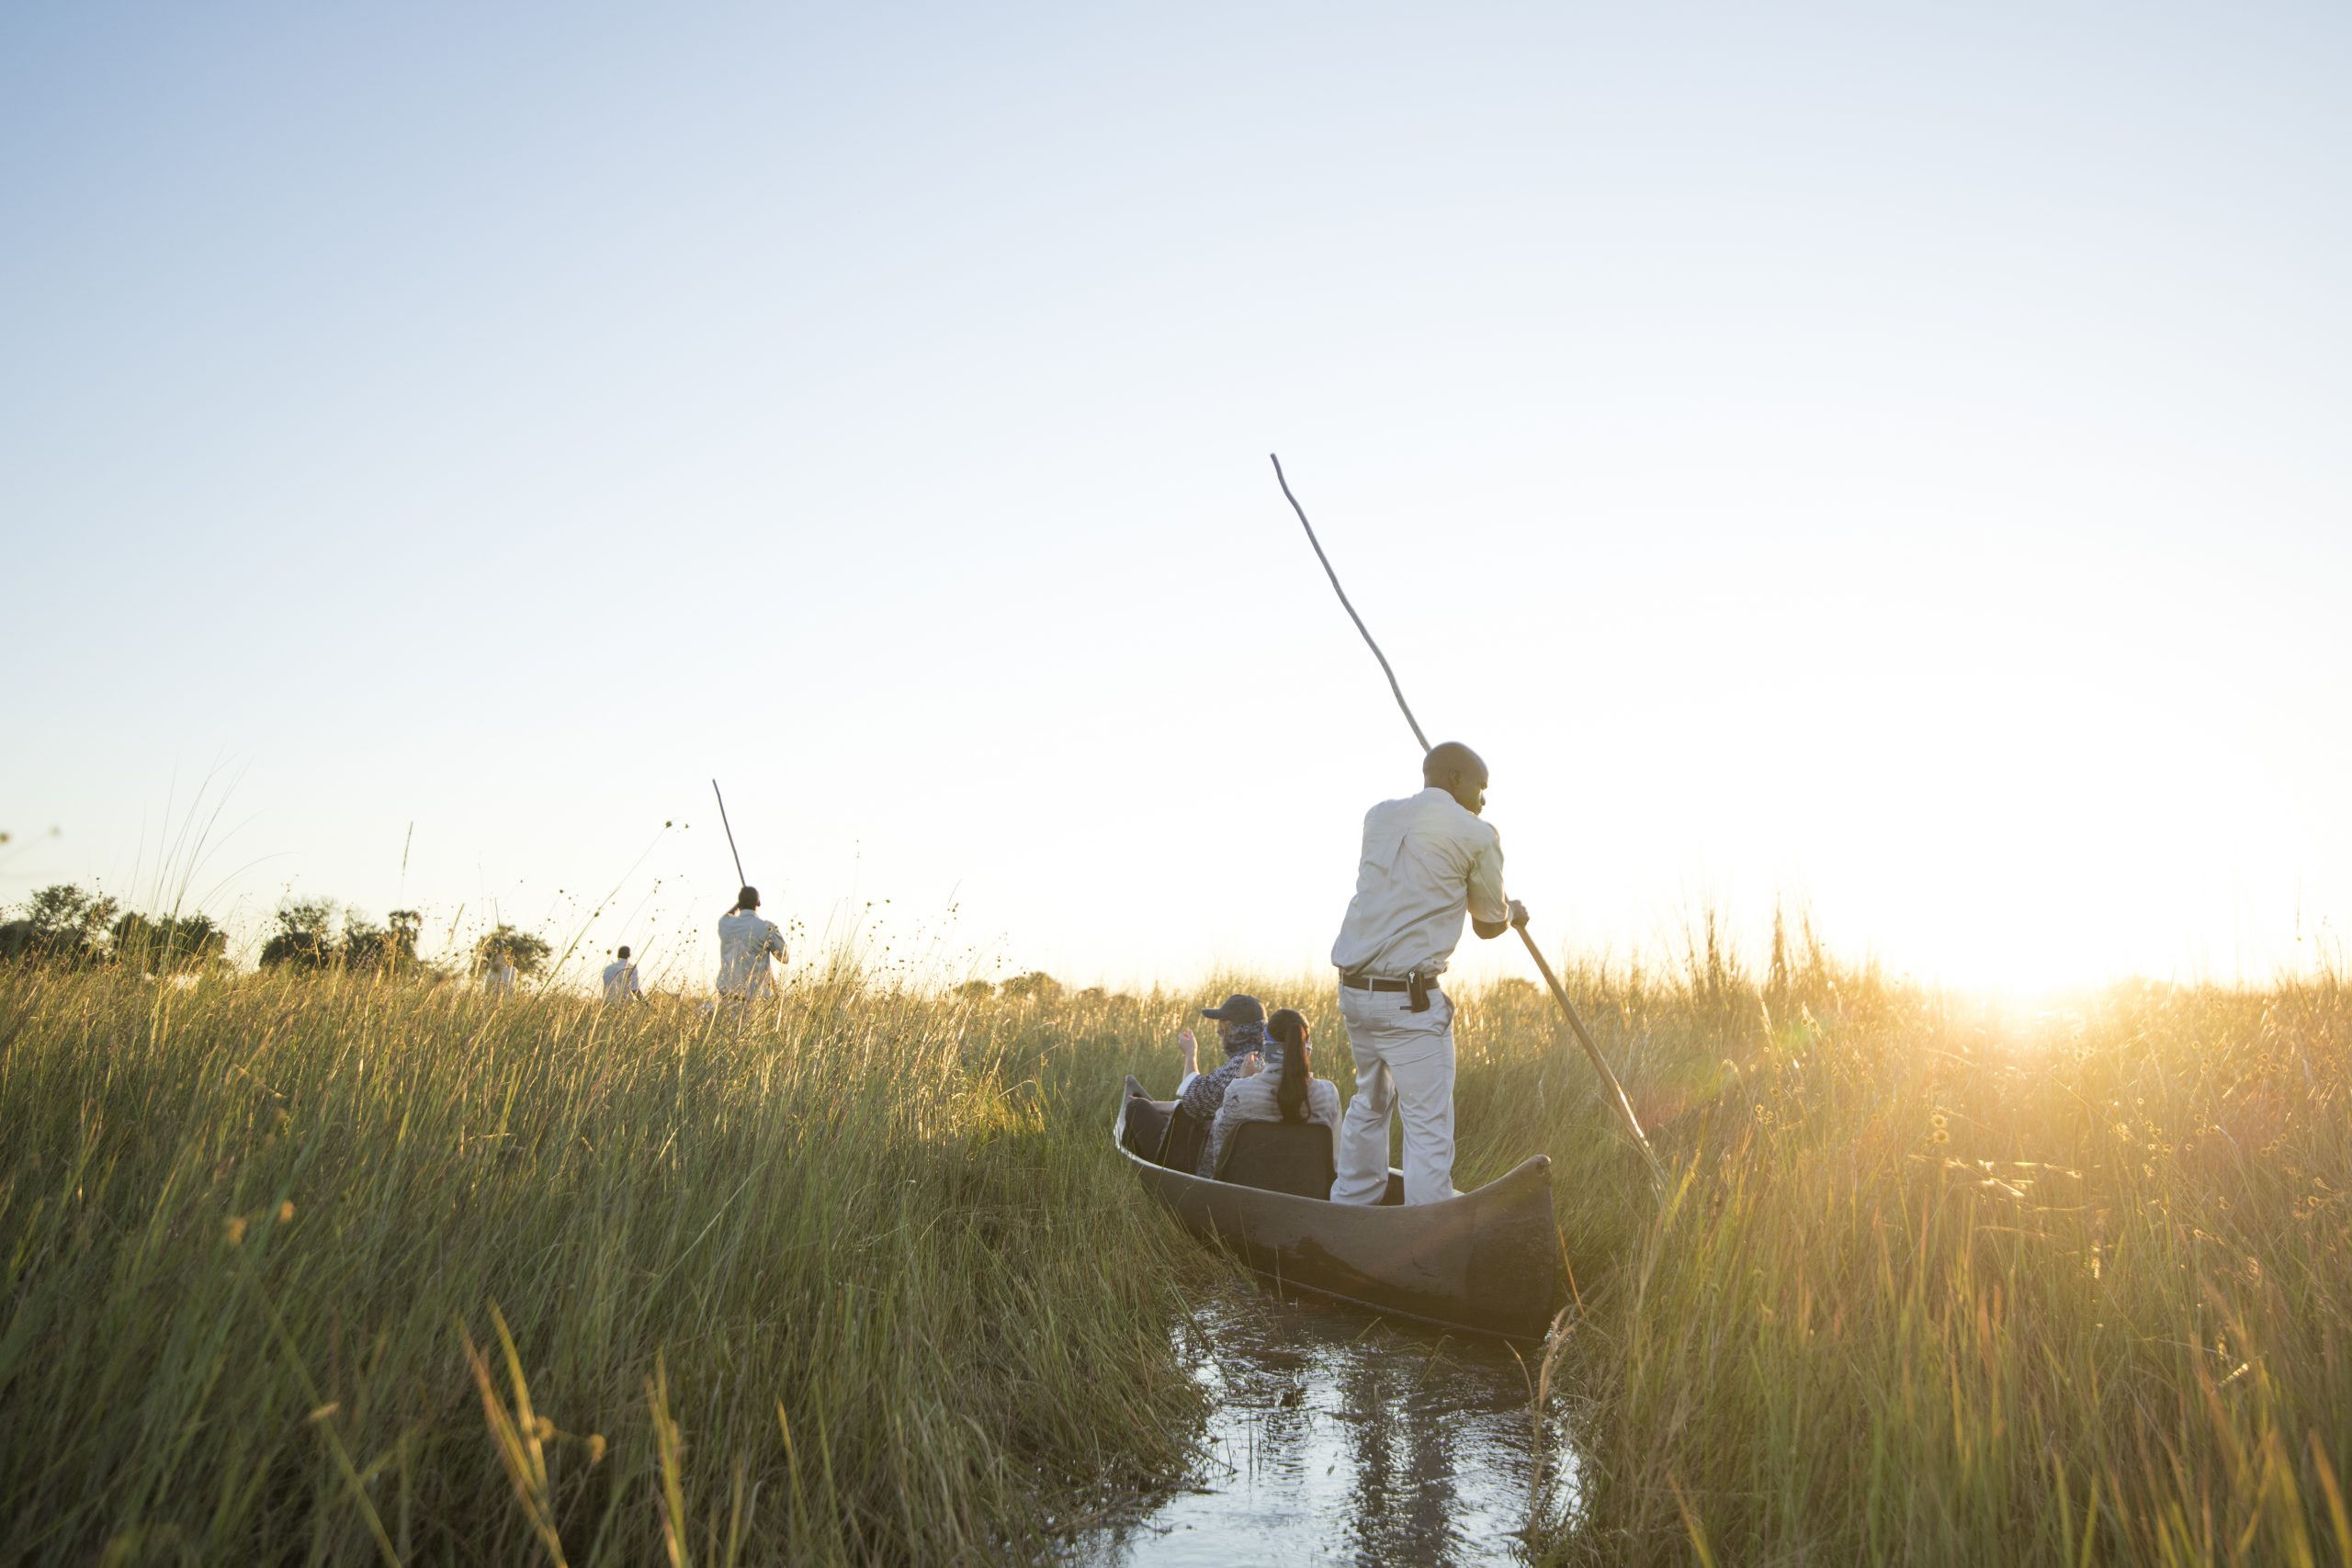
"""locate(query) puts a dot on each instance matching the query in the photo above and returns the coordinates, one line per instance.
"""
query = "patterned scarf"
(1248, 1037)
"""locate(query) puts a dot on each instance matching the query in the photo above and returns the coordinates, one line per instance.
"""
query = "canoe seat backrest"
(1145, 1122)
(1279, 1156)
(1181, 1149)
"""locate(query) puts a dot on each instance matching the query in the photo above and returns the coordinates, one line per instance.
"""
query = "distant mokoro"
(1486, 1262)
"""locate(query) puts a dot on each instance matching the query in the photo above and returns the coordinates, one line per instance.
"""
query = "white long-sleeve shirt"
(745, 944)
(1427, 859)
(620, 981)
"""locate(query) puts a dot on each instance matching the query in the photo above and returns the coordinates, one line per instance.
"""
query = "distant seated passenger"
(620, 980)
(1287, 1091)
(1241, 1029)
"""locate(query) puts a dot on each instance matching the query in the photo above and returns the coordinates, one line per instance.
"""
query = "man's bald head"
(1457, 770)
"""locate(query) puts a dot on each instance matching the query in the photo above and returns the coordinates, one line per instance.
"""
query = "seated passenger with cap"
(1287, 1090)
(1241, 1029)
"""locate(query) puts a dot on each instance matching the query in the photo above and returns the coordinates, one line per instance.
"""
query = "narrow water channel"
(1336, 1437)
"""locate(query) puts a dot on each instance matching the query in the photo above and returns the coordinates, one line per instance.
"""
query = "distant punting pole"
(741, 880)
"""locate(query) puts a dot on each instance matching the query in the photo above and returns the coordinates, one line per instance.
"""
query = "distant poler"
(746, 942)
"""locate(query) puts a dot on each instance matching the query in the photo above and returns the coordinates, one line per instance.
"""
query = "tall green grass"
(1939, 1283)
(327, 1270)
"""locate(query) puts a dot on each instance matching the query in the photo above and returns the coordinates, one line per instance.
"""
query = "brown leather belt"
(1416, 986)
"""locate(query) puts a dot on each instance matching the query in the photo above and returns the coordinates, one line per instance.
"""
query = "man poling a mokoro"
(1428, 860)
(746, 940)
(1343, 954)
(1400, 1243)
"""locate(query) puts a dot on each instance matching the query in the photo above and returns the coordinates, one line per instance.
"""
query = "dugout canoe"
(1485, 1262)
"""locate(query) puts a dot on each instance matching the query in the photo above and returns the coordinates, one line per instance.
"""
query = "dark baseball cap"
(1238, 1008)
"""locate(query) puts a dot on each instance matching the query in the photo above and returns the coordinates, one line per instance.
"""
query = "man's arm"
(1194, 1098)
(1516, 920)
(1490, 913)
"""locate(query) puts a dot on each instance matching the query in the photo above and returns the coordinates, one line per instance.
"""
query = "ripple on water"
(1336, 1437)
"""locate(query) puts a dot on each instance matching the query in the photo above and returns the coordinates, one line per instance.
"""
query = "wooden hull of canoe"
(1486, 1262)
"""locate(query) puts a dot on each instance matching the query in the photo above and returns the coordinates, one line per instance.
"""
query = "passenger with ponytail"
(1287, 1090)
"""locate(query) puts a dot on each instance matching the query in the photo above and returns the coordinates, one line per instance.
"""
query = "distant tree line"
(1037, 986)
(63, 925)
(306, 941)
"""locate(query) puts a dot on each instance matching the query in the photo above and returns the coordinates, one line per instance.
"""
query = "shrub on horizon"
(1035, 985)
(303, 939)
(61, 924)
(528, 953)
(370, 949)
(158, 942)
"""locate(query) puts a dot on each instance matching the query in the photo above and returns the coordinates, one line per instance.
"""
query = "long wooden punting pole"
(741, 880)
(1615, 1092)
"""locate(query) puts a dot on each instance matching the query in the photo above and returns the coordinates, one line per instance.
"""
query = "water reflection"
(1335, 1438)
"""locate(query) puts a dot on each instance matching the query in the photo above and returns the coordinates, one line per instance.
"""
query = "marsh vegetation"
(1945, 1281)
(333, 1268)
(328, 1268)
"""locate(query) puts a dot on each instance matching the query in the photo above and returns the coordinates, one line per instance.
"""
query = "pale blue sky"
(1891, 460)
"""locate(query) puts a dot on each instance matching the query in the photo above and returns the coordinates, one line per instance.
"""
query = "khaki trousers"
(1405, 1066)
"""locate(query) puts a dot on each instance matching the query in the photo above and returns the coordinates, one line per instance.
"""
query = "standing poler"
(1427, 859)
(746, 942)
